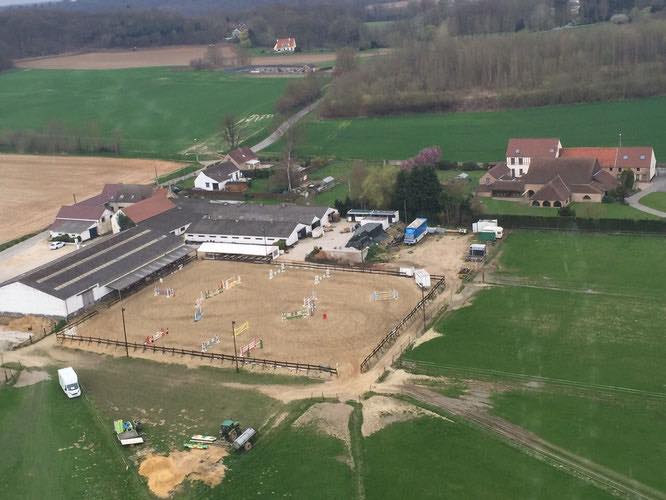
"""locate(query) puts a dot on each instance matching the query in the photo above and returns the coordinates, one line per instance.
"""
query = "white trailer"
(69, 382)
(488, 225)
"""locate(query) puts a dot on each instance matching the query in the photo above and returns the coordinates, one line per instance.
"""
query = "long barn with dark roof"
(78, 280)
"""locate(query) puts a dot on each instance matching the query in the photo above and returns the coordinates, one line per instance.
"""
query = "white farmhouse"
(215, 177)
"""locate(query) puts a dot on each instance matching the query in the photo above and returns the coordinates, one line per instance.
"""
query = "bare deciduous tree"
(231, 131)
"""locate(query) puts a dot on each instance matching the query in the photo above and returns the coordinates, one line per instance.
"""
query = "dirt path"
(533, 445)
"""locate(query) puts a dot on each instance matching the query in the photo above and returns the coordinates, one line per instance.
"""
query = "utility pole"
(122, 311)
(233, 334)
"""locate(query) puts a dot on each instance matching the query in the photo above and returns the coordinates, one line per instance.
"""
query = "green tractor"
(229, 430)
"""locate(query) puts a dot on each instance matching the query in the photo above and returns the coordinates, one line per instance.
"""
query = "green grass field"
(602, 262)
(429, 458)
(54, 447)
(482, 136)
(608, 339)
(159, 111)
(288, 462)
(619, 434)
(589, 339)
(654, 200)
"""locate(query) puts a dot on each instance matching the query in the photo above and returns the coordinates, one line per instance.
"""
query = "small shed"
(326, 184)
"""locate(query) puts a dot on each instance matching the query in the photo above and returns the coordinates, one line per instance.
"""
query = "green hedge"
(579, 224)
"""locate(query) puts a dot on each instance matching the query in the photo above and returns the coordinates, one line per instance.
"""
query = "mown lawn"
(627, 435)
(55, 447)
(654, 200)
(175, 401)
(613, 263)
(504, 207)
(430, 458)
(287, 462)
(158, 111)
(583, 210)
(584, 338)
(482, 136)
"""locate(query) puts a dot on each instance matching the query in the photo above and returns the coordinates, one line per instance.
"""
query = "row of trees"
(506, 70)
(58, 138)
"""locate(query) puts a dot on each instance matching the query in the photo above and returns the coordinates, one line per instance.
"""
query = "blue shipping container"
(416, 231)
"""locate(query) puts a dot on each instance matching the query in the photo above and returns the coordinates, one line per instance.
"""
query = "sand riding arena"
(298, 315)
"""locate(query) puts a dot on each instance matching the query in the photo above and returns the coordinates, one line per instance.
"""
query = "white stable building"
(213, 250)
(78, 280)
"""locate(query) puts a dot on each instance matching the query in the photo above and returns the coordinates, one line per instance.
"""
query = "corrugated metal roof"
(150, 268)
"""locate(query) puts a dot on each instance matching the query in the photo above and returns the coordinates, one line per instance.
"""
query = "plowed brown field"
(34, 187)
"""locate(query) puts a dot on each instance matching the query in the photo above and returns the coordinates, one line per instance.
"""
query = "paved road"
(476, 412)
(282, 129)
(658, 185)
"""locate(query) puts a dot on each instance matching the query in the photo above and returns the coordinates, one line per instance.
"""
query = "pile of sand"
(380, 411)
(34, 324)
(165, 474)
(330, 418)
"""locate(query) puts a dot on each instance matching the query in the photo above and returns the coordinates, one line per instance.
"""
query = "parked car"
(54, 245)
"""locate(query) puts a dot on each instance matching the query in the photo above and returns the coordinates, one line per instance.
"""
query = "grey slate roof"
(100, 263)
(237, 227)
(70, 226)
(270, 213)
(221, 172)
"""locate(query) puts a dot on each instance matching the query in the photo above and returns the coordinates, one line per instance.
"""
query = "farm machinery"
(230, 431)
(128, 432)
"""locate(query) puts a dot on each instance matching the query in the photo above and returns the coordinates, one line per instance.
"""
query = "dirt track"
(34, 187)
(476, 412)
(161, 56)
(353, 325)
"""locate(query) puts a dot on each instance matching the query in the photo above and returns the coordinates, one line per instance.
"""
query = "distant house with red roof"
(285, 45)
(244, 159)
(546, 174)
(520, 152)
(640, 160)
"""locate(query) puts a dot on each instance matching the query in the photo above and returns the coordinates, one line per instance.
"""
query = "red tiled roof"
(150, 207)
(626, 157)
(555, 190)
(499, 170)
(533, 148)
(284, 43)
(242, 155)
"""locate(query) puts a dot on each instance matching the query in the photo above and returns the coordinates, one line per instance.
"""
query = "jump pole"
(233, 335)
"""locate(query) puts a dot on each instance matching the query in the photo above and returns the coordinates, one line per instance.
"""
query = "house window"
(520, 171)
(208, 184)
(520, 160)
(513, 161)
(103, 218)
(642, 157)
(586, 198)
(626, 157)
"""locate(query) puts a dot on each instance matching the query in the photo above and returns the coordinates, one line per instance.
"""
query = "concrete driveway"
(29, 254)
(330, 240)
(658, 185)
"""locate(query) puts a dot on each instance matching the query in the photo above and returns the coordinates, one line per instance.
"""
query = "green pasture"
(627, 435)
(431, 459)
(482, 136)
(157, 111)
(617, 264)
(584, 338)
(54, 447)
(654, 200)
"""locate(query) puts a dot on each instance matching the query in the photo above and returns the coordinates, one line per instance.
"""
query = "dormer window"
(626, 157)
(517, 151)
(642, 157)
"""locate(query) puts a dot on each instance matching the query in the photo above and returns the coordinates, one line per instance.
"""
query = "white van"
(69, 382)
